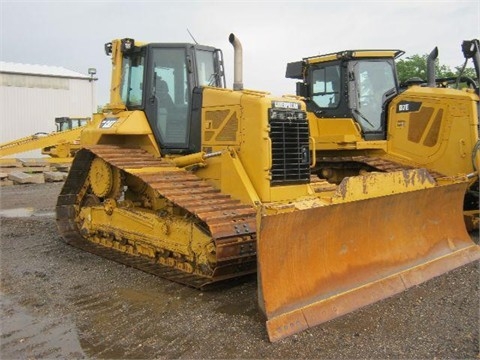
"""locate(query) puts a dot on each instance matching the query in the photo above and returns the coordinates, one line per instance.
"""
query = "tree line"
(415, 66)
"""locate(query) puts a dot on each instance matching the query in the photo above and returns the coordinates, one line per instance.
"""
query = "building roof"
(42, 70)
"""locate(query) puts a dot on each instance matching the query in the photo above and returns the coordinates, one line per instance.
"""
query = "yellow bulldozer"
(363, 120)
(185, 179)
(60, 145)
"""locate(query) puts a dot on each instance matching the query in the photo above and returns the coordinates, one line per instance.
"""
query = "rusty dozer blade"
(317, 264)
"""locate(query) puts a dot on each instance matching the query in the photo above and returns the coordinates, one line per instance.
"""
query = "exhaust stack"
(238, 62)
(431, 67)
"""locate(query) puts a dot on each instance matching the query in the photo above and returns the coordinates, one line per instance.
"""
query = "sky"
(72, 34)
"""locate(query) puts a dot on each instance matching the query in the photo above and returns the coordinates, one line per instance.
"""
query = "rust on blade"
(318, 264)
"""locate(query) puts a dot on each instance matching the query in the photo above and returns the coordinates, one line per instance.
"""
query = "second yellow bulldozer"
(196, 183)
(363, 120)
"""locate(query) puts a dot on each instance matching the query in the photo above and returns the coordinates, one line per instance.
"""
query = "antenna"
(192, 36)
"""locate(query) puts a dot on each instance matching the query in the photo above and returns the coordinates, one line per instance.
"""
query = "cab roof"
(295, 70)
(354, 54)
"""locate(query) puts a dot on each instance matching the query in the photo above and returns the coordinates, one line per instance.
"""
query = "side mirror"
(294, 70)
(108, 49)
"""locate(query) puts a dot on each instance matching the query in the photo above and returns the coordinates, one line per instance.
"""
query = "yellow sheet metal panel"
(434, 128)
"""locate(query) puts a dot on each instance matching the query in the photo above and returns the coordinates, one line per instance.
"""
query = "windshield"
(207, 75)
(374, 80)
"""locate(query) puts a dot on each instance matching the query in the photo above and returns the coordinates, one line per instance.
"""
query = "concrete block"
(10, 170)
(54, 176)
(19, 177)
(6, 182)
(9, 163)
(61, 167)
(35, 169)
(34, 162)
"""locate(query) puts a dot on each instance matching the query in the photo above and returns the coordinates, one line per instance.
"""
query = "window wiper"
(212, 80)
(363, 117)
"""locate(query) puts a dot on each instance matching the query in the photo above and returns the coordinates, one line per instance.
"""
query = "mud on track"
(57, 301)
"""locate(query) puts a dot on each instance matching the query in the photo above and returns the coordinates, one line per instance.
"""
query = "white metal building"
(32, 96)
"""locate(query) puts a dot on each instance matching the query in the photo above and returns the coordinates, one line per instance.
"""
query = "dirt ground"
(60, 302)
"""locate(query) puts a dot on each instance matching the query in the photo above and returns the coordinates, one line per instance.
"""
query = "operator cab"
(350, 84)
(164, 80)
(66, 123)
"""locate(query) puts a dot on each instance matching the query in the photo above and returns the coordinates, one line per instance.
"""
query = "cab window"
(326, 86)
(132, 81)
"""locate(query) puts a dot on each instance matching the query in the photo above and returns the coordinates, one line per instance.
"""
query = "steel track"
(232, 225)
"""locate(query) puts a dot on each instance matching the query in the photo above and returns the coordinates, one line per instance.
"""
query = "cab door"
(168, 97)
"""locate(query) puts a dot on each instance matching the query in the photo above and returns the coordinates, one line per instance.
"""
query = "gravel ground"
(60, 302)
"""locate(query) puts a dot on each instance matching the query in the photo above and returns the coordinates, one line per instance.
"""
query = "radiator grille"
(290, 148)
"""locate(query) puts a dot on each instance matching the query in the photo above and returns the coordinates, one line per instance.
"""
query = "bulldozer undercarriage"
(147, 213)
(334, 168)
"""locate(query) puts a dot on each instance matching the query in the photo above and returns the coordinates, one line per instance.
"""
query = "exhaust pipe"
(238, 63)
(431, 67)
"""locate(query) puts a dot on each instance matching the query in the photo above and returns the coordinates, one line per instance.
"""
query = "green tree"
(469, 72)
(416, 66)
